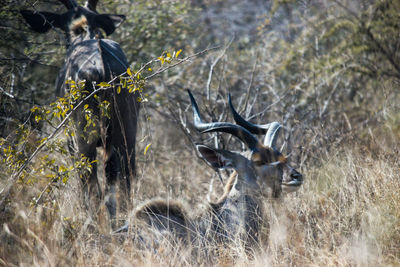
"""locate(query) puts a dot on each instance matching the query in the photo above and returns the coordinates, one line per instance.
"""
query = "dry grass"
(346, 213)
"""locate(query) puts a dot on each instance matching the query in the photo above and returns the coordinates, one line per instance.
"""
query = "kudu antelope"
(92, 59)
(238, 212)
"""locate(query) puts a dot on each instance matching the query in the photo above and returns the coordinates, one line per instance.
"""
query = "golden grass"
(346, 213)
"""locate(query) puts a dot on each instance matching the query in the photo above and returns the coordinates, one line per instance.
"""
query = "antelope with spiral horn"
(238, 212)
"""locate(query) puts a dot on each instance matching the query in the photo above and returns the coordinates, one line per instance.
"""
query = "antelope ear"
(218, 159)
(109, 22)
(42, 21)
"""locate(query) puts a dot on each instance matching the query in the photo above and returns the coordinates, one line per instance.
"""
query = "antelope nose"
(296, 175)
(295, 180)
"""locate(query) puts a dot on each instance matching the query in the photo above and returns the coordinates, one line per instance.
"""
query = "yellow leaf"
(119, 90)
(62, 168)
(150, 69)
(129, 71)
(169, 55)
(104, 84)
(178, 52)
(85, 106)
(162, 59)
(147, 148)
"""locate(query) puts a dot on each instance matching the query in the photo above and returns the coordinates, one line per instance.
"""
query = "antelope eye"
(258, 163)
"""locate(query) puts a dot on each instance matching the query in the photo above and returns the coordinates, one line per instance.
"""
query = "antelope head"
(78, 23)
(266, 164)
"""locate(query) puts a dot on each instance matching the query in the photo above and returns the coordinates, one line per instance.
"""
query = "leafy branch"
(101, 87)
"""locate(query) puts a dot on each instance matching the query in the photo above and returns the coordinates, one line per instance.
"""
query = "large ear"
(109, 22)
(218, 159)
(42, 21)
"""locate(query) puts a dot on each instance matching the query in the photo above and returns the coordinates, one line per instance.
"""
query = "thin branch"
(6, 93)
(246, 102)
(212, 67)
(180, 61)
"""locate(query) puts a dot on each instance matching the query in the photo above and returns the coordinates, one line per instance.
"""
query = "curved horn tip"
(272, 134)
(91, 4)
(253, 128)
(192, 100)
(196, 113)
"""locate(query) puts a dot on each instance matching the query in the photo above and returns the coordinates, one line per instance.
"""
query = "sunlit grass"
(346, 213)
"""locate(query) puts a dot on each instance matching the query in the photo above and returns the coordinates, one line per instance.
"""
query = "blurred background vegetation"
(329, 71)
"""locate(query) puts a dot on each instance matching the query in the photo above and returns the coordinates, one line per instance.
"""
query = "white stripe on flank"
(84, 63)
(109, 51)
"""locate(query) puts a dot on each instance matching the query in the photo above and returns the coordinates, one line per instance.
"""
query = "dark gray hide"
(95, 60)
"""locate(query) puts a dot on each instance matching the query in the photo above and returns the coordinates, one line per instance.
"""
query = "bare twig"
(212, 68)
(246, 102)
(180, 61)
(6, 93)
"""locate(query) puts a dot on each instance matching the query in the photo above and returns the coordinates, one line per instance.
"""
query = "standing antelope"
(92, 59)
(238, 212)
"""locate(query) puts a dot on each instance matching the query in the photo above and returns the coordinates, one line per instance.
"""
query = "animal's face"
(274, 171)
(266, 168)
(78, 23)
(81, 23)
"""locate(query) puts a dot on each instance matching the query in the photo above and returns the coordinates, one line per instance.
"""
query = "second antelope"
(94, 59)
(238, 212)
